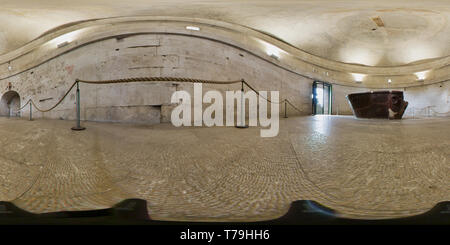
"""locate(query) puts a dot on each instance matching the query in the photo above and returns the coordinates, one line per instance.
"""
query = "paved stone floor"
(361, 168)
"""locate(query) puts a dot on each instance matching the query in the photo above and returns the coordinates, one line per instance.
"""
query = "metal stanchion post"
(242, 123)
(285, 108)
(78, 126)
(31, 111)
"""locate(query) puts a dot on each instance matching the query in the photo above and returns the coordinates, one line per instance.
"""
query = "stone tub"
(378, 104)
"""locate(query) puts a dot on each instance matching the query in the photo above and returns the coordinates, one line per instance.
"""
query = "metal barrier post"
(31, 110)
(242, 123)
(285, 108)
(78, 126)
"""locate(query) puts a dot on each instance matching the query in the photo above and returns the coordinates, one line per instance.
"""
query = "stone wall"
(168, 55)
(430, 100)
(148, 55)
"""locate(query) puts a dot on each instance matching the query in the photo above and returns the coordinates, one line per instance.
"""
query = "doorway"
(10, 104)
(321, 98)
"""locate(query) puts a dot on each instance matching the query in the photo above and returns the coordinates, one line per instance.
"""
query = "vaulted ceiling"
(367, 32)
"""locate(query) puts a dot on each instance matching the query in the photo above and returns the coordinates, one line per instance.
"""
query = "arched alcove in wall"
(10, 104)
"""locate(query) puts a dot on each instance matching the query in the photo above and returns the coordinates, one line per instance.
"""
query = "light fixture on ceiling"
(272, 50)
(193, 28)
(9, 66)
(65, 43)
(66, 38)
(389, 80)
(421, 75)
(358, 77)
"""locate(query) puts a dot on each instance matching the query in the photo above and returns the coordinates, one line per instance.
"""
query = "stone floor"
(361, 168)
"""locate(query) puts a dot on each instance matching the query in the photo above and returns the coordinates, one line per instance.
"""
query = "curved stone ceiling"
(374, 33)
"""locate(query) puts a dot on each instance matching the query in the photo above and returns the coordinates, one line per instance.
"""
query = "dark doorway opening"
(322, 98)
(10, 104)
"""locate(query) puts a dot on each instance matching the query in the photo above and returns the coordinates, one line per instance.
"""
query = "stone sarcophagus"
(378, 104)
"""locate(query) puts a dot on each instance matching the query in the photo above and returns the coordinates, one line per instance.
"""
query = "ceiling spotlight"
(272, 50)
(358, 77)
(9, 67)
(274, 56)
(65, 43)
(421, 75)
(193, 28)
(389, 80)
(66, 38)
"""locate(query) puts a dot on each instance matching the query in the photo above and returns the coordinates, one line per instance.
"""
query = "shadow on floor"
(134, 212)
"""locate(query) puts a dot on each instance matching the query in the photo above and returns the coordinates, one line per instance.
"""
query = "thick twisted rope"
(287, 101)
(188, 80)
(158, 79)
(28, 102)
(268, 100)
(129, 80)
(59, 102)
(440, 113)
(250, 87)
(430, 111)
(154, 79)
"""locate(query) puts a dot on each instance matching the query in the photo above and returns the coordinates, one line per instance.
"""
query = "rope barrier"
(250, 87)
(429, 111)
(149, 79)
(292, 105)
(178, 79)
(440, 113)
(279, 102)
(158, 79)
(59, 102)
(28, 102)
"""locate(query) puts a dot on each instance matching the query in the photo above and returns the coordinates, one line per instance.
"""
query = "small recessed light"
(274, 56)
(421, 75)
(193, 28)
(358, 77)
(65, 43)
(273, 51)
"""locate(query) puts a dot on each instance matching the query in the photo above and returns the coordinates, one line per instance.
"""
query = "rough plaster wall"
(149, 55)
(432, 100)
(340, 104)
(168, 55)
